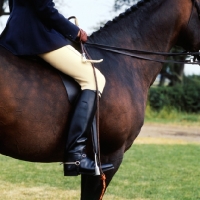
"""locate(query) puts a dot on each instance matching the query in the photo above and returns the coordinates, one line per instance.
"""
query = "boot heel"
(70, 170)
(72, 173)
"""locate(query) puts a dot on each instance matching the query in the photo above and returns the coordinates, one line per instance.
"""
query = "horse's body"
(34, 108)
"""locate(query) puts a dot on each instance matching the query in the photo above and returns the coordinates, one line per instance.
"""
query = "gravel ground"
(153, 133)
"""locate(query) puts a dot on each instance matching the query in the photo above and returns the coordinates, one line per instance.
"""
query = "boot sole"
(72, 173)
(75, 173)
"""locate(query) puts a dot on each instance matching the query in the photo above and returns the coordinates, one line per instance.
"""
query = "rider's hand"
(82, 35)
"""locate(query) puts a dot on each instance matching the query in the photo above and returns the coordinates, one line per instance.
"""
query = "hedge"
(185, 97)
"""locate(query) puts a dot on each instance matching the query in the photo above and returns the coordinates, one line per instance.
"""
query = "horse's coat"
(34, 108)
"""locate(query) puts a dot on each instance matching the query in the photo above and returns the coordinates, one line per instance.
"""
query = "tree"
(3, 5)
(123, 3)
(172, 71)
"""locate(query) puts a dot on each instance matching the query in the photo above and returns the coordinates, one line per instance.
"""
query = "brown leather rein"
(139, 54)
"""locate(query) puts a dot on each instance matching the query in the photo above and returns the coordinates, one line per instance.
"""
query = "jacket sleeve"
(52, 18)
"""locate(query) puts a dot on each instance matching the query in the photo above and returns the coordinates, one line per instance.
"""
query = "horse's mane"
(131, 10)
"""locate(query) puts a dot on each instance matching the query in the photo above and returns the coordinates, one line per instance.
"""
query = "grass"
(148, 172)
(172, 116)
(159, 172)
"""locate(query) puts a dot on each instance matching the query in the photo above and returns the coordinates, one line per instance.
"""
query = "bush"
(184, 97)
(157, 98)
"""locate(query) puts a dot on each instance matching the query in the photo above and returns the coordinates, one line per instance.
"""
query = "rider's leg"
(68, 60)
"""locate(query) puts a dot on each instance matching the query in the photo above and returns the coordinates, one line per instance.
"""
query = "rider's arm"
(50, 16)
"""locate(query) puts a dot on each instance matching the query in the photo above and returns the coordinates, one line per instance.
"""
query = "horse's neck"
(154, 26)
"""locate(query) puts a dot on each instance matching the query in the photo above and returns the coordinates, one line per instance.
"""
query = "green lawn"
(154, 172)
(171, 116)
(159, 172)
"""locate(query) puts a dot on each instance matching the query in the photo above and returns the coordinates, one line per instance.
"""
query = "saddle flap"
(72, 87)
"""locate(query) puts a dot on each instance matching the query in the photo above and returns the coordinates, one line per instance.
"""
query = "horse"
(34, 106)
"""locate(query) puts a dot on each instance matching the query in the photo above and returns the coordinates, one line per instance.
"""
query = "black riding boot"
(76, 161)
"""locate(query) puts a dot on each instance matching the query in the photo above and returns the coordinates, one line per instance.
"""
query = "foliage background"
(181, 97)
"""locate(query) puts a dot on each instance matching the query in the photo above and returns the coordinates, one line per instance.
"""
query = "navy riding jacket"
(35, 27)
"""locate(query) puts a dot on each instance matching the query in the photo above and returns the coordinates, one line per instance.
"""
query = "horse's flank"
(33, 109)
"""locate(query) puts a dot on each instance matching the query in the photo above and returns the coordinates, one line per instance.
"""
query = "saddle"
(72, 87)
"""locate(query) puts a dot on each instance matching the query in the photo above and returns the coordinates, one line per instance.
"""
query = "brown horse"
(34, 107)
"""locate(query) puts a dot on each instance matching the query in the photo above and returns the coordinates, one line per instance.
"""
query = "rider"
(35, 27)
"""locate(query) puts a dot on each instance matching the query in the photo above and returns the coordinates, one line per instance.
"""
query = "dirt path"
(168, 134)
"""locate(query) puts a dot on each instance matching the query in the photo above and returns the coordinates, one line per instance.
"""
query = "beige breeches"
(69, 61)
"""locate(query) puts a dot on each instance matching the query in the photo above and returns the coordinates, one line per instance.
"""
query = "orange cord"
(103, 178)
